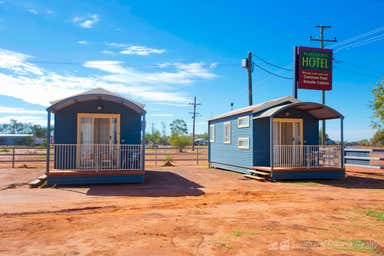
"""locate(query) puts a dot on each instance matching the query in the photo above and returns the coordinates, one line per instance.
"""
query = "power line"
(272, 73)
(272, 64)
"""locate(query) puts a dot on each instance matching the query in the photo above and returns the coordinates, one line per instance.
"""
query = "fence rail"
(19, 156)
(306, 156)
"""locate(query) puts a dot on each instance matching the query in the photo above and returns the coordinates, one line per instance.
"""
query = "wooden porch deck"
(266, 173)
(56, 172)
(296, 169)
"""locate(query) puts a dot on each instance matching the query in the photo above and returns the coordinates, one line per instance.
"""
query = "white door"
(98, 139)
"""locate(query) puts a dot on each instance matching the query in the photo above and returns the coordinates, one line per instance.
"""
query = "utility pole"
(248, 64)
(194, 113)
(322, 40)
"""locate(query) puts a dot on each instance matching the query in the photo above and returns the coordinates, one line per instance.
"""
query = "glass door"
(98, 139)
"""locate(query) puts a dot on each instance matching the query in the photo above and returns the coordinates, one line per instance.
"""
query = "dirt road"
(194, 211)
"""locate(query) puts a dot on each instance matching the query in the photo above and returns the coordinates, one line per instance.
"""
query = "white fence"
(96, 157)
(306, 156)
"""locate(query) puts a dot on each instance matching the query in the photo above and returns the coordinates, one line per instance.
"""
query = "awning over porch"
(317, 110)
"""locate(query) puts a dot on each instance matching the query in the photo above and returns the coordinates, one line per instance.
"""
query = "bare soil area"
(194, 211)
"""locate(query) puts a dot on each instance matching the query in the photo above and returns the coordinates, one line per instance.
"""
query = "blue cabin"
(276, 140)
(98, 138)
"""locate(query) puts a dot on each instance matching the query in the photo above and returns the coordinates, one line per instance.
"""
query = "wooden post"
(155, 156)
(13, 157)
(197, 155)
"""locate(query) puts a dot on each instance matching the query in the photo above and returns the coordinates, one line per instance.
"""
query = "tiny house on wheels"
(98, 138)
(276, 140)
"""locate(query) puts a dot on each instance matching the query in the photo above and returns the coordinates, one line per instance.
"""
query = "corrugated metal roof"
(257, 107)
(98, 93)
(317, 110)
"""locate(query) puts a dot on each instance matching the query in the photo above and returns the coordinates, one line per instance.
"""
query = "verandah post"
(143, 143)
(271, 142)
(342, 141)
(48, 141)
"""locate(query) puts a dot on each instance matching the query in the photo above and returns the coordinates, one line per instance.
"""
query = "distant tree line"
(178, 137)
(15, 127)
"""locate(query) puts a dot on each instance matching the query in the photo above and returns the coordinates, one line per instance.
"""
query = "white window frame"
(227, 139)
(242, 125)
(242, 139)
(211, 133)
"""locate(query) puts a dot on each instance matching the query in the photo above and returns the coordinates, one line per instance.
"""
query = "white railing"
(306, 156)
(96, 157)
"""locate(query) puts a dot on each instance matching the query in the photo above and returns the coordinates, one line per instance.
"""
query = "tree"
(178, 126)
(378, 138)
(378, 105)
(180, 141)
(363, 142)
(153, 138)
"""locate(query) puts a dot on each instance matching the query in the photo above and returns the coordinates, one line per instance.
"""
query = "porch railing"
(307, 156)
(96, 157)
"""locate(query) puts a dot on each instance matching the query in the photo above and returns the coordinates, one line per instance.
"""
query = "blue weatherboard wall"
(65, 131)
(229, 156)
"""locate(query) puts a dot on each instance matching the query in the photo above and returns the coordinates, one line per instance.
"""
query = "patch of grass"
(378, 215)
(238, 233)
(4, 150)
(223, 245)
(241, 233)
(355, 246)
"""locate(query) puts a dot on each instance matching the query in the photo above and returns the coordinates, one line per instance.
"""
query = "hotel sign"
(314, 68)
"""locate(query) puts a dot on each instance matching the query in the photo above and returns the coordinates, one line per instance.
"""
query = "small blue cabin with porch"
(98, 138)
(276, 140)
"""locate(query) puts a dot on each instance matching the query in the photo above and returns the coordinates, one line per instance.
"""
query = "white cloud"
(141, 50)
(86, 21)
(33, 11)
(17, 62)
(82, 42)
(108, 52)
(213, 65)
(12, 110)
(24, 80)
(135, 49)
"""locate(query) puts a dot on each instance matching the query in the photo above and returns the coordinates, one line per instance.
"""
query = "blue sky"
(162, 53)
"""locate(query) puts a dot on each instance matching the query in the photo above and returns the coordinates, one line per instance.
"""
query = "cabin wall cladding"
(222, 154)
(261, 142)
(66, 119)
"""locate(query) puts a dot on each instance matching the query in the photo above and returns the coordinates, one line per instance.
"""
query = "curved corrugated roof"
(257, 107)
(96, 94)
(317, 110)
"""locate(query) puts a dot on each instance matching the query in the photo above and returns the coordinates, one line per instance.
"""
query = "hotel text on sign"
(314, 68)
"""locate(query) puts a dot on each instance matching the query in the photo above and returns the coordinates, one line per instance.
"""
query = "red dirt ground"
(194, 211)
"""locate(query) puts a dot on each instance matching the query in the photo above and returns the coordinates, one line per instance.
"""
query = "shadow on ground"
(157, 183)
(358, 182)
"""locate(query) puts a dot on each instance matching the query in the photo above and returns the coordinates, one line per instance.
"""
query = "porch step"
(262, 173)
(255, 177)
(38, 182)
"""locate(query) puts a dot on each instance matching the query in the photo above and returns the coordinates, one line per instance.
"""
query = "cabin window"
(243, 142)
(227, 132)
(212, 133)
(243, 122)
